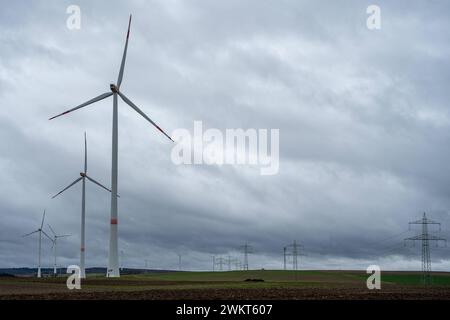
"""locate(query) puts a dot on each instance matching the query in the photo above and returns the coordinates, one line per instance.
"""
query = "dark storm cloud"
(363, 121)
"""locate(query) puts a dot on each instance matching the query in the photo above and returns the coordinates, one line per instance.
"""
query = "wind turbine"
(54, 240)
(41, 231)
(82, 178)
(113, 263)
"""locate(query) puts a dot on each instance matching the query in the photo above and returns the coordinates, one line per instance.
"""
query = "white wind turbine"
(113, 263)
(41, 231)
(82, 178)
(55, 240)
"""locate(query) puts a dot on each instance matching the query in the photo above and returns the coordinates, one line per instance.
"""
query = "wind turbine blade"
(43, 218)
(100, 97)
(47, 235)
(85, 153)
(131, 104)
(99, 184)
(51, 229)
(67, 187)
(29, 234)
(122, 65)
(64, 236)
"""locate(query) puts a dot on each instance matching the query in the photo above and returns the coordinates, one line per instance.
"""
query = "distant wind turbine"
(41, 231)
(54, 240)
(113, 263)
(82, 178)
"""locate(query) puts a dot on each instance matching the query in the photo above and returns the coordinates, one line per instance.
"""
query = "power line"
(389, 238)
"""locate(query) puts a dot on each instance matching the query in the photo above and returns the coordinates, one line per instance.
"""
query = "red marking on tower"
(113, 221)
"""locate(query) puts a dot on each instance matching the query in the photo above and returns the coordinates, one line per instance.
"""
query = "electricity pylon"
(246, 248)
(220, 262)
(295, 252)
(425, 237)
(231, 261)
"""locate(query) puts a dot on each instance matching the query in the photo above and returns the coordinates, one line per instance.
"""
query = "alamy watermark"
(74, 280)
(373, 22)
(254, 147)
(374, 280)
(73, 22)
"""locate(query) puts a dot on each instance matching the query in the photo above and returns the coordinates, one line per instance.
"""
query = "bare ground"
(99, 289)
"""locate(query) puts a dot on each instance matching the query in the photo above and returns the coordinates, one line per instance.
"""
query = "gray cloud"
(362, 114)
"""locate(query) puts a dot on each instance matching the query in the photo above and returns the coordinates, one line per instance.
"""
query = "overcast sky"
(363, 117)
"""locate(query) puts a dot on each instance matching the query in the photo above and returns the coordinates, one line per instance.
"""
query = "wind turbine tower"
(82, 178)
(54, 240)
(121, 259)
(40, 231)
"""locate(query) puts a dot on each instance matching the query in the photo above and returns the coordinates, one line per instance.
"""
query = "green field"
(281, 278)
(295, 277)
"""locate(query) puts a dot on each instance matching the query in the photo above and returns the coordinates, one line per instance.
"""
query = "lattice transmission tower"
(293, 250)
(219, 262)
(246, 249)
(426, 237)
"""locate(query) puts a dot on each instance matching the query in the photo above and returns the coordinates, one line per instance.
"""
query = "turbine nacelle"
(83, 174)
(113, 88)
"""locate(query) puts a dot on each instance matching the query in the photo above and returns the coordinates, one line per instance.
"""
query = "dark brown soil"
(245, 294)
(143, 289)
